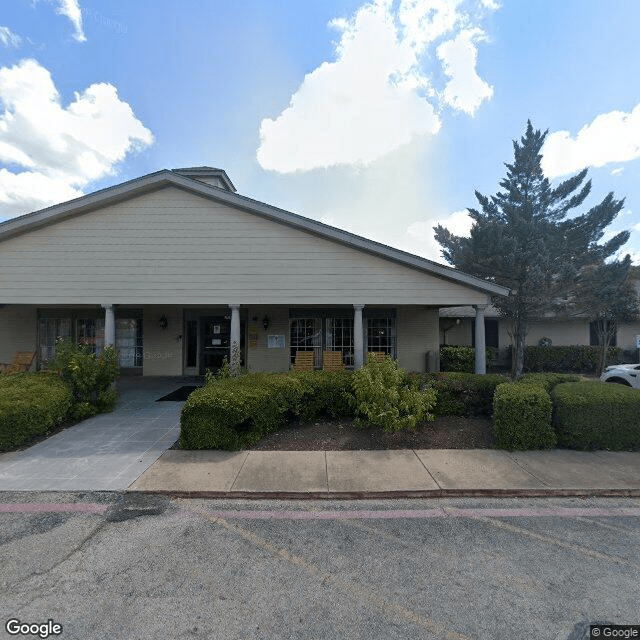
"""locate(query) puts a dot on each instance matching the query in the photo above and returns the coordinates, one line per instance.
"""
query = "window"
(129, 342)
(83, 329)
(306, 336)
(339, 337)
(331, 329)
(49, 330)
(381, 335)
(90, 331)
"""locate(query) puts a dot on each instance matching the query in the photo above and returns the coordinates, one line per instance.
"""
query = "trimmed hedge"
(596, 415)
(233, 413)
(325, 392)
(462, 359)
(547, 380)
(576, 358)
(463, 394)
(31, 404)
(522, 417)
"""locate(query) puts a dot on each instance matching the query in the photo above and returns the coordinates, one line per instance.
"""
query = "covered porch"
(176, 340)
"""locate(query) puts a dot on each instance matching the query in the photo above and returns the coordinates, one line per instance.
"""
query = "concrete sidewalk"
(397, 473)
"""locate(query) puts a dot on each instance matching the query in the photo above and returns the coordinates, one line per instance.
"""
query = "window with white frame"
(129, 342)
(49, 331)
(305, 335)
(339, 337)
(90, 332)
(381, 335)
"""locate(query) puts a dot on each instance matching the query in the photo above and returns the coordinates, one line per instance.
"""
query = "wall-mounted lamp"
(164, 323)
(265, 322)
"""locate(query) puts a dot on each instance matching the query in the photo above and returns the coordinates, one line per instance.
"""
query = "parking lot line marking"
(349, 586)
(591, 553)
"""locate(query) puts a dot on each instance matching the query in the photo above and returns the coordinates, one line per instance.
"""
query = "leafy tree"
(524, 239)
(607, 293)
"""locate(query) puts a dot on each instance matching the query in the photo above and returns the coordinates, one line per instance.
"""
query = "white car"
(628, 374)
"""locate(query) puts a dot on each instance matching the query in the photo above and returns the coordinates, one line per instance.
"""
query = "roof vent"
(208, 175)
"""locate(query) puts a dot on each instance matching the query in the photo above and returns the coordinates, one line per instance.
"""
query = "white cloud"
(611, 137)
(617, 172)
(379, 93)
(9, 39)
(60, 148)
(419, 236)
(466, 90)
(71, 10)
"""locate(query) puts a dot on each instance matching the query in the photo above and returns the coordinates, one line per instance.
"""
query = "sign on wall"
(275, 342)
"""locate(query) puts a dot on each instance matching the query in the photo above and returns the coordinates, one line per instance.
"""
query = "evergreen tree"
(524, 238)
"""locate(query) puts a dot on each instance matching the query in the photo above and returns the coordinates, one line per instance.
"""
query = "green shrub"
(31, 404)
(232, 413)
(563, 359)
(463, 394)
(461, 359)
(547, 380)
(388, 398)
(522, 417)
(89, 377)
(596, 415)
(325, 392)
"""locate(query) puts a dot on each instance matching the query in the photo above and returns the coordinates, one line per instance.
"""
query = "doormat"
(181, 394)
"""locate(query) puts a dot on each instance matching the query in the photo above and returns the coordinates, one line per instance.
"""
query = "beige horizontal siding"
(417, 333)
(260, 357)
(162, 348)
(172, 247)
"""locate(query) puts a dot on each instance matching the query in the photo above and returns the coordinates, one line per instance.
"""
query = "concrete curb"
(394, 495)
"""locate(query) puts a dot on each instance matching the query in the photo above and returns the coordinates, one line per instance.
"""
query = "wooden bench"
(332, 361)
(22, 361)
(304, 361)
(378, 355)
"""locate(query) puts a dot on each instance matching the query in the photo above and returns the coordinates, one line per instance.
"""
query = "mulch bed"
(446, 432)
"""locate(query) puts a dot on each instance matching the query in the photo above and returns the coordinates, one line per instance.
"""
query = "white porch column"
(234, 359)
(481, 352)
(109, 325)
(358, 331)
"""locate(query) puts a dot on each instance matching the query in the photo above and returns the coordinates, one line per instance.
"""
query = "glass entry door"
(215, 339)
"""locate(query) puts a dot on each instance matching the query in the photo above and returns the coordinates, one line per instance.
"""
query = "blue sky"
(378, 117)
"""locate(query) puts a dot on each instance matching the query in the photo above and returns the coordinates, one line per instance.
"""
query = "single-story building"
(457, 328)
(175, 268)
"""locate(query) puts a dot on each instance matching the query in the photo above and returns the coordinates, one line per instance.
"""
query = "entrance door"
(215, 338)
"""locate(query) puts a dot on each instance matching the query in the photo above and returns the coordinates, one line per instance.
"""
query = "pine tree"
(526, 238)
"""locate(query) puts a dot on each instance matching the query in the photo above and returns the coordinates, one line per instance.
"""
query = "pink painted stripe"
(447, 512)
(52, 507)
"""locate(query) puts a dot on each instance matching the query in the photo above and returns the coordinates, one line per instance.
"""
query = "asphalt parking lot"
(114, 565)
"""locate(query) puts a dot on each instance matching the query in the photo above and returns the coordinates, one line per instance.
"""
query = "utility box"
(432, 361)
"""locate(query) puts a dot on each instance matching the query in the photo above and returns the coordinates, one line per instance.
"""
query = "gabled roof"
(177, 178)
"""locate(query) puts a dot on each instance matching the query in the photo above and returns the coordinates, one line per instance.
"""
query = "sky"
(382, 118)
